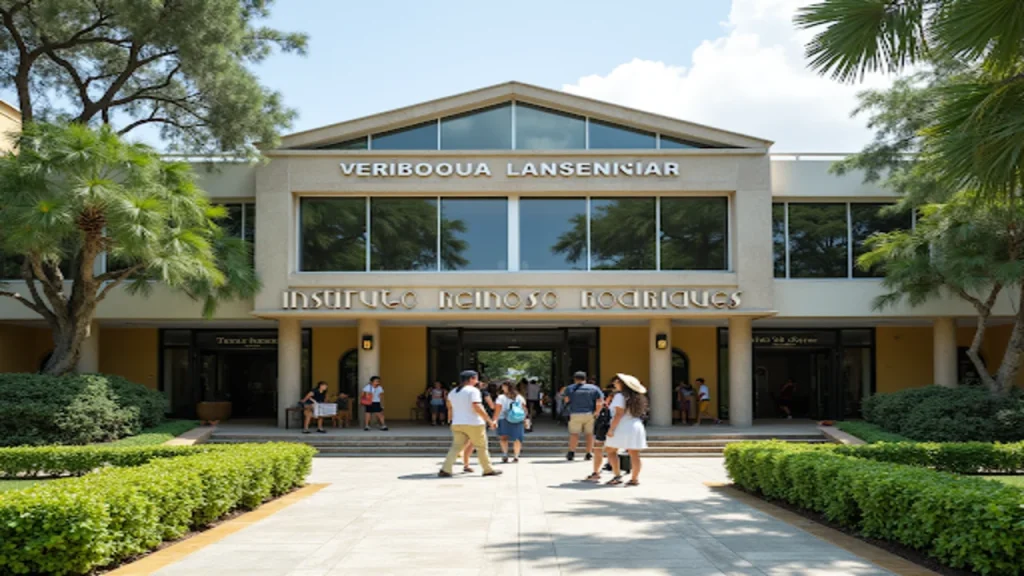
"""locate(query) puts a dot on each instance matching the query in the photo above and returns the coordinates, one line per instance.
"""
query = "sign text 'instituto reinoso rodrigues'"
(512, 169)
(387, 299)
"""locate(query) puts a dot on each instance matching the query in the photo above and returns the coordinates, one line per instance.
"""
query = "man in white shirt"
(374, 392)
(468, 424)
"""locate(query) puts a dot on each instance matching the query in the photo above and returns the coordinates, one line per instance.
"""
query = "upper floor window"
(419, 137)
(612, 136)
(488, 129)
(542, 129)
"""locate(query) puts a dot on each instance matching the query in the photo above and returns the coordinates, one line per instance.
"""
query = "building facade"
(413, 243)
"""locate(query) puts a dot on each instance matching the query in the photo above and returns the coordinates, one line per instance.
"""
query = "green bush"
(960, 458)
(968, 523)
(39, 409)
(75, 525)
(869, 432)
(27, 461)
(158, 434)
(939, 414)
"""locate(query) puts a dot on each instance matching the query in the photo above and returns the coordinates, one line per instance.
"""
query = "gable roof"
(526, 93)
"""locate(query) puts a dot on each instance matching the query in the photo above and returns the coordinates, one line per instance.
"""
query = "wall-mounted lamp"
(661, 341)
(367, 342)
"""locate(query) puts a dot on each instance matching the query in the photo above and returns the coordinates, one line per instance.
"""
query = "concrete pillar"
(89, 353)
(289, 366)
(659, 389)
(741, 368)
(944, 352)
(369, 360)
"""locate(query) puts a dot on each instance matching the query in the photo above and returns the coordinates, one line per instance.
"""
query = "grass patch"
(6, 485)
(157, 434)
(870, 433)
(1017, 481)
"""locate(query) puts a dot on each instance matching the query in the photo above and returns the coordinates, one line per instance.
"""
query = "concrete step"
(560, 444)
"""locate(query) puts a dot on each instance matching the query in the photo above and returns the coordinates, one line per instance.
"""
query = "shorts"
(437, 408)
(581, 424)
(374, 408)
(704, 405)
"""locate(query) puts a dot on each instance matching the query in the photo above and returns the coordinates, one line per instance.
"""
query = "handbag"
(625, 463)
(366, 399)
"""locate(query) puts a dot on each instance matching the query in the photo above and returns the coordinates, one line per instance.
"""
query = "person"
(375, 392)
(685, 396)
(511, 415)
(437, 397)
(315, 396)
(601, 425)
(469, 420)
(786, 398)
(704, 402)
(583, 402)
(533, 399)
(344, 413)
(626, 431)
(467, 452)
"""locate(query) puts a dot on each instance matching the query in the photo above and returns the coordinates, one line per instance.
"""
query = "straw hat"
(632, 382)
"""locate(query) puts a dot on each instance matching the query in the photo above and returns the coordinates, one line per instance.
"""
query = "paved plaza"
(394, 516)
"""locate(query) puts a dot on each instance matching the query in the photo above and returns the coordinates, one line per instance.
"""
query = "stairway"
(537, 444)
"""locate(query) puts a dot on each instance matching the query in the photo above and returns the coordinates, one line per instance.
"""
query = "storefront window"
(818, 241)
(419, 137)
(489, 129)
(553, 234)
(694, 233)
(867, 220)
(856, 379)
(474, 234)
(403, 234)
(779, 239)
(542, 129)
(622, 234)
(612, 136)
(333, 234)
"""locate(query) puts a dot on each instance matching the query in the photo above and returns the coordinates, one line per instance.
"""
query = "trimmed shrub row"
(961, 458)
(939, 414)
(78, 460)
(869, 432)
(40, 409)
(75, 525)
(967, 523)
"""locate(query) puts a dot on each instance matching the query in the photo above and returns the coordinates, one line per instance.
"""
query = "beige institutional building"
(412, 243)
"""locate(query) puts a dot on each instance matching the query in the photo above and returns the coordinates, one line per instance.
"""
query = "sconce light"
(661, 341)
(367, 342)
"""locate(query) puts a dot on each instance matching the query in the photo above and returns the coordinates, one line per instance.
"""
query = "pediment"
(671, 129)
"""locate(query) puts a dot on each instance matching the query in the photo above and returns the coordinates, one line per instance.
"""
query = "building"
(411, 243)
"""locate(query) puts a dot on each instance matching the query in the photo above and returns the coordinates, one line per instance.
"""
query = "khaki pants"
(462, 433)
(581, 424)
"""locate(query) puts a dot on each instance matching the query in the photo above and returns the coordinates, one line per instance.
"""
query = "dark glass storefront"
(832, 371)
(237, 366)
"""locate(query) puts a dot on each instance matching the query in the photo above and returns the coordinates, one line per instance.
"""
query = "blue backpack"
(516, 414)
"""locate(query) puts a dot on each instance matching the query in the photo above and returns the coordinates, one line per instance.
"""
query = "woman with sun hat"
(629, 406)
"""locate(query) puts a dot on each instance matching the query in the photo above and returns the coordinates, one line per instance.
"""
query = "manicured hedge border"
(75, 525)
(963, 522)
(870, 433)
(958, 457)
(77, 460)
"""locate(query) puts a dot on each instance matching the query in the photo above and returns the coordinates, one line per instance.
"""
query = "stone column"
(741, 389)
(944, 352)
(659, 389)
(89, 353)
(289, 366)
(369, 361)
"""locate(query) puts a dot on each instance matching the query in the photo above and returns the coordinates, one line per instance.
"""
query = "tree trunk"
(1007, 375)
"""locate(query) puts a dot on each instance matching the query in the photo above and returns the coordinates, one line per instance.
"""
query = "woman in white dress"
(627, 428)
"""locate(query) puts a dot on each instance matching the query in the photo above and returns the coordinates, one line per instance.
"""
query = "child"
(704, 402)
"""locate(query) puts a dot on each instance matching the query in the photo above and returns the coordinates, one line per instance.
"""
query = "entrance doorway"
(810, 371)
(247, 379)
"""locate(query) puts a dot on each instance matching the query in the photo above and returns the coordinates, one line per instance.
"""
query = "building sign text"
(582, 169)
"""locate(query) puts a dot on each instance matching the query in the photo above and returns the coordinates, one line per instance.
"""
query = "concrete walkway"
(394, 516)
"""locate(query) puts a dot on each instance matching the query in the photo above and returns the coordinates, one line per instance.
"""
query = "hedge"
(940, 414)
(77, 460)
(76, 525)
(40, 409)
(960, 458)
(968, 523)
(870, 433)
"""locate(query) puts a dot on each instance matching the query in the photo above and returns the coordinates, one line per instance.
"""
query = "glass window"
(867, 220)
(333, 234)
(856, 380)
(488, 129)
(543, 129)
(694, 233)
(817, 241)
(354, 144)
(552, 233)
(779, 239)
(249, 230)
(403, 234)
(232, 224)
(474, 234)
(419, 137)
(613, 136)
(10, 267)
(669, 143)
(622, 234)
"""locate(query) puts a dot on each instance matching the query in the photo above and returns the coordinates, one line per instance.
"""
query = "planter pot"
(213, 411)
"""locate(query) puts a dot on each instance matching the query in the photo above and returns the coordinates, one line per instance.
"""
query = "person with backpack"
(584, 402)
(511, 415)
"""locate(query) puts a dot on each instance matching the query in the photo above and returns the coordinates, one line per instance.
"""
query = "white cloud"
(753, 80)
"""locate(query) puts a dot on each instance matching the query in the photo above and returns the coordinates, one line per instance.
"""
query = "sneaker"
(321, 431)
(384, 429)
(570, 456)
(305, 431)
(607, 467)
(367, 429)
(443, 474)
(493, 473)
(589, 457)
(504, 459)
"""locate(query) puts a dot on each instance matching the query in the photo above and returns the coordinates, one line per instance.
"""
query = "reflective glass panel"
(249, 233)
(489, 129)
(622, 234)
(612, 136)
(420, 137)
(403, 234)
(474, 234)
(668, 143)
(354, 144)
(232, 224)
(694, 233)
(333, 234)
(867, 220)
(553, 234)
(542, 129)
(779, 239)
(817, 240)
